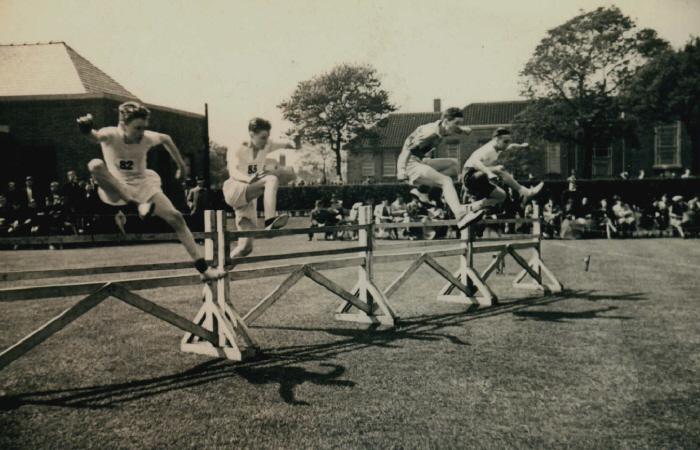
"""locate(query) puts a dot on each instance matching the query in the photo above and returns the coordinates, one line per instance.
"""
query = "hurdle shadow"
(565, 316)
(109, 396)
(282, 366)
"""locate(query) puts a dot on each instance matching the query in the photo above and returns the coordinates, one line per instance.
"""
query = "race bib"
(126, 164)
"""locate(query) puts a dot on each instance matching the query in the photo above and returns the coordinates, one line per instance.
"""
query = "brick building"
(662, 148)
(45, 87)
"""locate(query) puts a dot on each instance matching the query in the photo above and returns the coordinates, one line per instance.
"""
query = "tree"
(668, 87)
(337, 106)
(217, 164)
(312, 163)
(575, 76)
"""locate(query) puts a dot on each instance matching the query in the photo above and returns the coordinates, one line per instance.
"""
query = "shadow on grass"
(281, 366)
(563, 316)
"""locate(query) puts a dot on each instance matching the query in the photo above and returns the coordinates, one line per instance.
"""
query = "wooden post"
(216, 314)
(364, 289)
(208, 242)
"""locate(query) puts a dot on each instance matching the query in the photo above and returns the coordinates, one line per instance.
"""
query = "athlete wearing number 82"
(123, 177)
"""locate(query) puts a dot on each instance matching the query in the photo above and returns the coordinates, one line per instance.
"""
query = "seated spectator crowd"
(74, 208)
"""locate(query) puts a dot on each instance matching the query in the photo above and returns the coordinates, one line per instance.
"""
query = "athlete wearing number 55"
(253, 175)
(124, 179)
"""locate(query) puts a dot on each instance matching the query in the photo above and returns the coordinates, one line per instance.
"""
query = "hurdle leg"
(477, 293)
(365, 291)
(537, 266)
(216, 314)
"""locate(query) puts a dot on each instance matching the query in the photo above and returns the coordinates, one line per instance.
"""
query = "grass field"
(613, 362)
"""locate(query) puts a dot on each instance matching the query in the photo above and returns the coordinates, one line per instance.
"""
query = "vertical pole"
(208, 242)
(206, 166)
(222, 284)
(364, 239)
(467, 259)
(537, 231)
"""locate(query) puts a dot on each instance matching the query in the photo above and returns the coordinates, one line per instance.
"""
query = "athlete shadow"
(109, 396)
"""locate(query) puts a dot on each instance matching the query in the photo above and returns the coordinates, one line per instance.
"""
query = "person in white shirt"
(123, 177)
(252, 175)
(481, 173)
(435, 172)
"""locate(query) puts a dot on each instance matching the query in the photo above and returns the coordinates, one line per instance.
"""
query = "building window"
(389, 165)
(553, 157)
(602, 159)
(368, 166)
(5, 129)
(449, 150)
(667, 147)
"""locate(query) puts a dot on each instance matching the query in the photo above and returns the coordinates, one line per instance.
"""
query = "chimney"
(437, 105)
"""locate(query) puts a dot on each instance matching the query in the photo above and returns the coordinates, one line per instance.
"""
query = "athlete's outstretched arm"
(515, 146)
(85, 124)
(174, 152)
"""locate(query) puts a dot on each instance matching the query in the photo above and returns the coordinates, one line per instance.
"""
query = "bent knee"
(272, 180)
(96, 165)
(498, 194)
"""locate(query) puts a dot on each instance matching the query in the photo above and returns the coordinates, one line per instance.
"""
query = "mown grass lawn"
(613, 362)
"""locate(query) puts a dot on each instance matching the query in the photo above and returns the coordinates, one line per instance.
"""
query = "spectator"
(603, 218)
(382, 214)
(641, 174)
(322, 217)
(198, 202)
(661, 216)
(398, 207)
(570, 191)
(551, 216)
(28, 193)
(6, 216)
(677, 212)
(13, 195)
(686, 174)
(624, 216)
(72, 192)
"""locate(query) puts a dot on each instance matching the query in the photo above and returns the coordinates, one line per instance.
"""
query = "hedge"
(638, 192)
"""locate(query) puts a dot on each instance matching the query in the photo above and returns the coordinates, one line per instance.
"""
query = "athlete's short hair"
(258, 124)
(133, 110)
(501, 131)
(452, 113)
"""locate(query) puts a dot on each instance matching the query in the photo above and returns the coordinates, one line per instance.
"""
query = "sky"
(244, 57)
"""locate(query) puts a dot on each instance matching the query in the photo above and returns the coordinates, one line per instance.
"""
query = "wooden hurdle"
(364, 304)
(219, 331)
(216, 331)
(466, 285)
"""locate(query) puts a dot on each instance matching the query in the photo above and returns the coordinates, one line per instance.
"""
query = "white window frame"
(599, 161)
(552, 157)
(367, 169)
(386, 159)
(657, 143)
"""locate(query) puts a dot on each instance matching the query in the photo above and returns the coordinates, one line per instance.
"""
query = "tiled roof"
(52, 69)
(493, 113)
